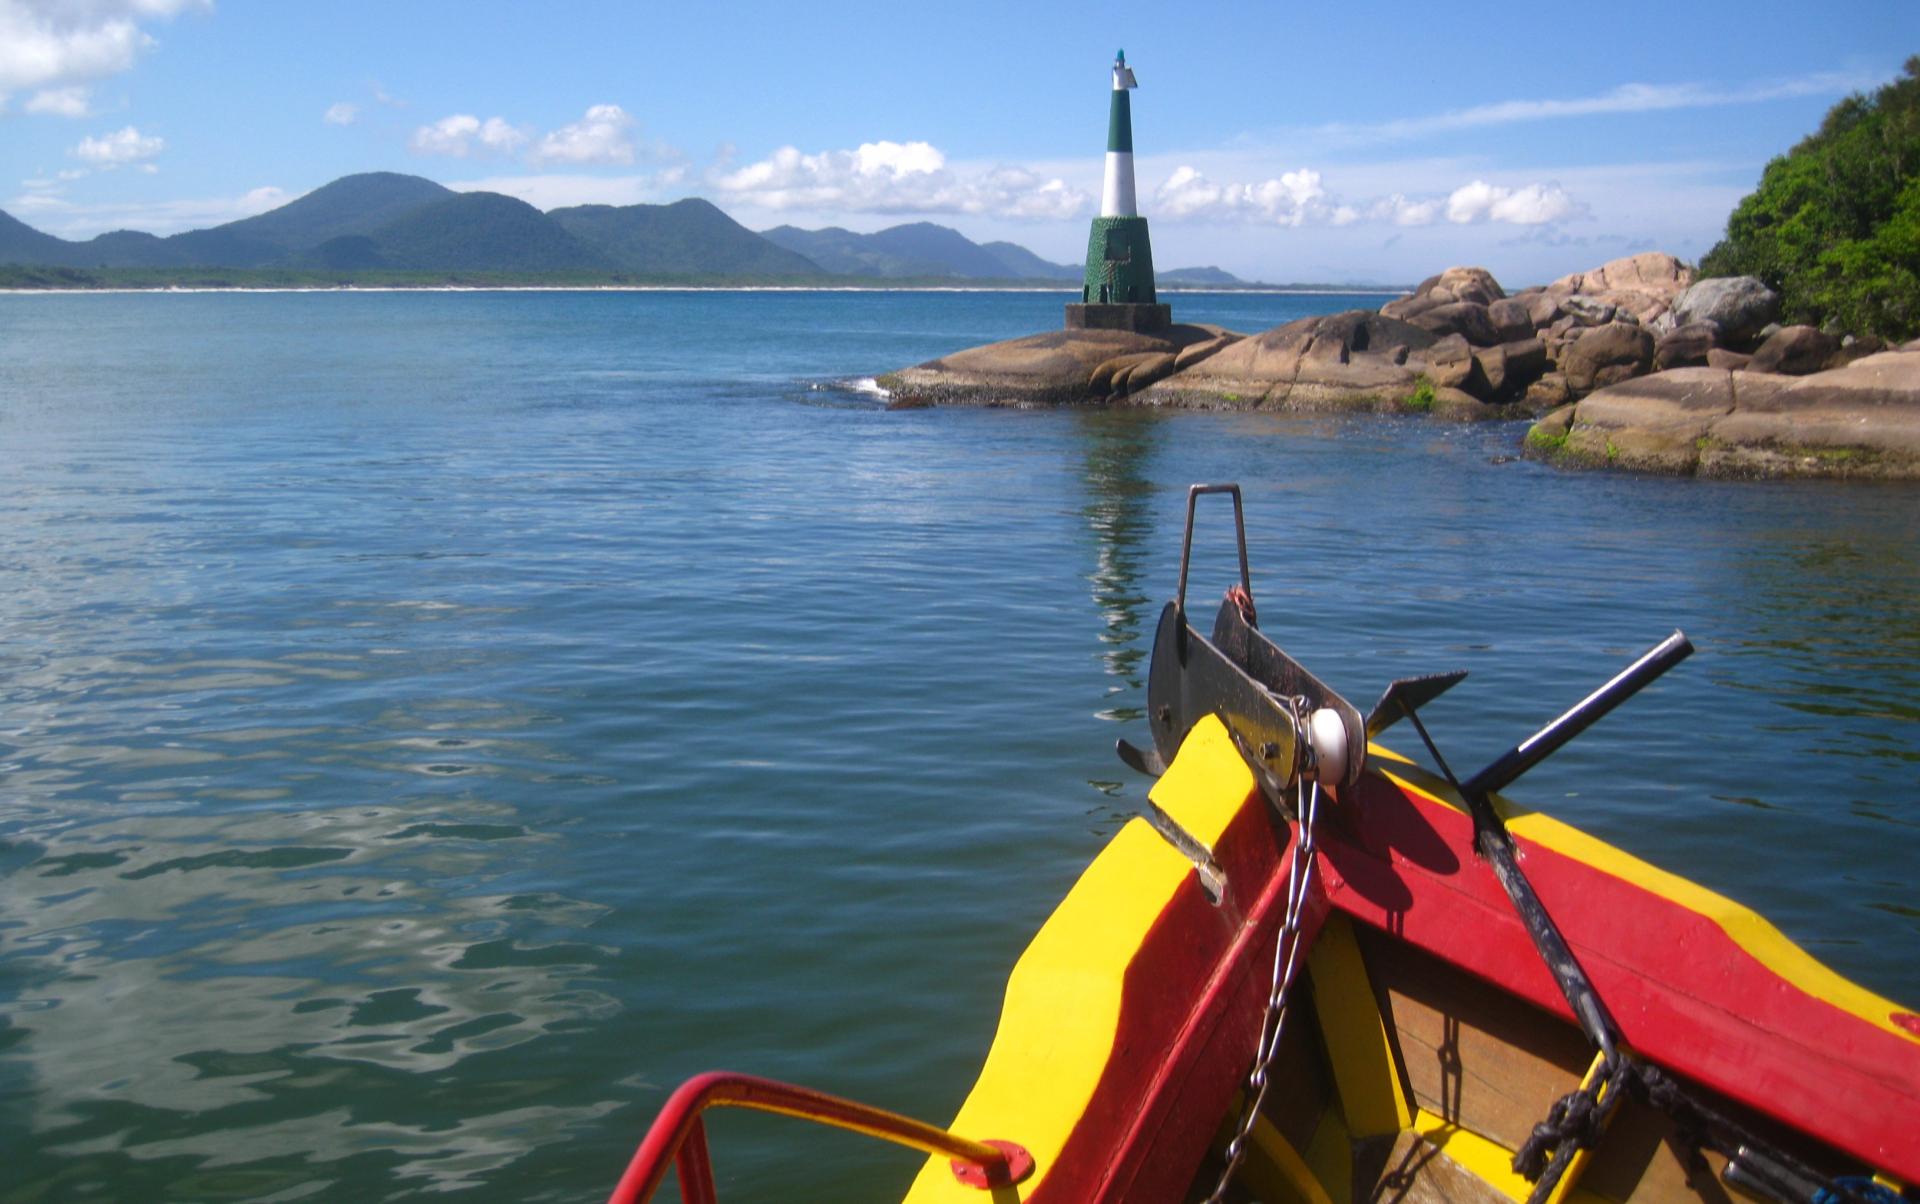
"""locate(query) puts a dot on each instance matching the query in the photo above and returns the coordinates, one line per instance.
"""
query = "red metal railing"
(679, 1137)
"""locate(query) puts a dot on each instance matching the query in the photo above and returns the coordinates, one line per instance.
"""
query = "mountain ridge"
(392, 222)
(685, 237)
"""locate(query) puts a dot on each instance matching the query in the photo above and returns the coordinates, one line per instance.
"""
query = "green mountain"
(1201, 276)
(689, 237)
(924, 242)
(466, 232)
(916, 249)
(922, 249)
(355, 204)
(1018, 263)
(387, 222)
(840, 252)
(384, 221)
(21, 243)
(358, 204)
(128, 248)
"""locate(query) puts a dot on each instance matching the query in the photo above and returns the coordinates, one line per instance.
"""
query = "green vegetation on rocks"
(1834, 227)
(1422, 397)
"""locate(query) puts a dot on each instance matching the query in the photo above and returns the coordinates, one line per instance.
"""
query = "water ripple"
(433, 725)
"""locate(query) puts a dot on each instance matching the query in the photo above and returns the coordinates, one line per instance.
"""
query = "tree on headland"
(1835, 225)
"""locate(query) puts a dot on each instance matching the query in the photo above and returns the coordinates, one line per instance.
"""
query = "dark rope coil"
(1573, 1118)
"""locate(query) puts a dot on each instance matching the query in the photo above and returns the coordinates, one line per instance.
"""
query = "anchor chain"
(1286, 950)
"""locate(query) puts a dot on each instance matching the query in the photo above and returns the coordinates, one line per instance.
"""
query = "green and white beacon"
(1117, 293)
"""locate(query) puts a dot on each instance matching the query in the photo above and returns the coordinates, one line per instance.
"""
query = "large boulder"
(1501, 374)
(1360, 330)
(1511, 320)
(1588, 311)
(1651, 271)
(1547, 393)
(1794, 351)
(1357, 359)
(1606, 355)
(1643, 285)
(1449, 362)
(1741, 306)
(1686, 346)
(1653, 424)
(1469, 284)
(1476, 285)
(1543, 307)
(1367, 380)
(1856, 347)
(1469, 319)
(1860, 420)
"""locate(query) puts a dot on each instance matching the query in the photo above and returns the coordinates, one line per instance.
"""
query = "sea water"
(432, 725)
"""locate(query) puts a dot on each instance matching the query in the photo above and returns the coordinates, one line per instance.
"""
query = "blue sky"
(1281, 142)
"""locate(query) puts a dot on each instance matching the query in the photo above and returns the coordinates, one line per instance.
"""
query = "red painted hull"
(1687, 994)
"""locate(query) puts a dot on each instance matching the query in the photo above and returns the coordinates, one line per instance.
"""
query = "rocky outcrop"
(1859, 420)
(1741, 306)
(1472, 285)
(1511, 320)
(1353, 360)
(1468, 319)
(1606, 355)
(1686, 346)
(1578, 350)
(1449, 362)
(1794, 351)
(1643, 285)
(1501, 374)
(1059, 367)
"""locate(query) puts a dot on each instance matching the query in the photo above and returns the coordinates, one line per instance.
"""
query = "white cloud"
(1627, 98)
(67, 219)
(128, 145)
(1533, 205)
(341, 113)
(50, 45)
(599, 137)
(1294, 198)
(463, 134)
(1300, 198)
(896, 177)
(497, 135)
(259, 200)
(1402, 211)
(70, 101)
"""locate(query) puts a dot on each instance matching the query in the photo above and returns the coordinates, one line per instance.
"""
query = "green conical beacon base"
(1117, 292)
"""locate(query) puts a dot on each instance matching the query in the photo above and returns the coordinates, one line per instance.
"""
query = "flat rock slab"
(1054, 368)
(1358, 360)
(1860, 420)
